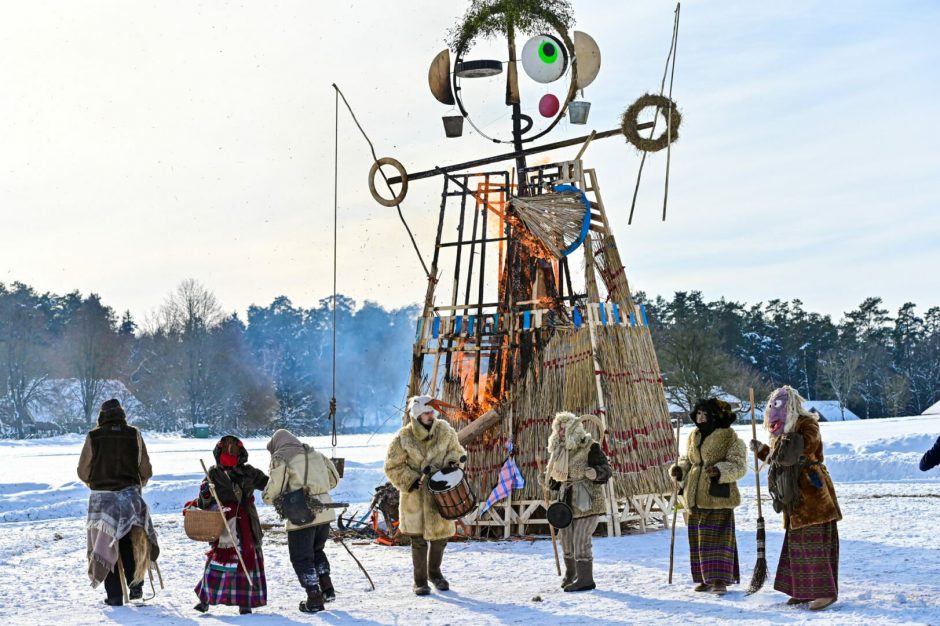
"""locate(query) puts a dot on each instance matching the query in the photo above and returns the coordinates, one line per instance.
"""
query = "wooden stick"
(754, 434)
(551, 529)
(218, 502)
(585, 146)
(343, 543)
(675, 506)
(120, 566)
(472, 431)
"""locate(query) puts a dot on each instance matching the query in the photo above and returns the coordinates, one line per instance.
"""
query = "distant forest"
(190, 362)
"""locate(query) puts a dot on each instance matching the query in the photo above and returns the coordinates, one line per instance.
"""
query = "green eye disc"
(548, 52)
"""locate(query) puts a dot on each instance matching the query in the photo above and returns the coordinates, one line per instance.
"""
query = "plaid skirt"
(809, 562)
(713, 550)
(225, 584)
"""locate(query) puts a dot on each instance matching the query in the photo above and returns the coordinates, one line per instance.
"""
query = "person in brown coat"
(803, 491)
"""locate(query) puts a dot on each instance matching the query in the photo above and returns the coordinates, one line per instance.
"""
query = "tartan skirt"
(809, 562)
(713, 550)
(229, 586)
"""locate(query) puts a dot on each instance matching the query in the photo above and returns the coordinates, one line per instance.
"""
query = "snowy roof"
(830, 410)
(734, 401)
(933, 409)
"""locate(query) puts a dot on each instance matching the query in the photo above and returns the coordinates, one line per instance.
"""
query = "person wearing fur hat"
(577, 469)
(714, 462)
(423, 446)
(802, 490)
(295, 465)
(931, 458)
(223, 580)
(114, 464)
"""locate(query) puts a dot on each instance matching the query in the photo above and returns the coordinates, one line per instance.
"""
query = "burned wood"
(472, 431)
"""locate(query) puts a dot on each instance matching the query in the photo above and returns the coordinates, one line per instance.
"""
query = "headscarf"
(285, 445)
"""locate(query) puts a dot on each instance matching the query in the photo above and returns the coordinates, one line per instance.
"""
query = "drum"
(452, 494)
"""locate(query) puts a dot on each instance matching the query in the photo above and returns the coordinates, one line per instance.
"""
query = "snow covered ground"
(889, 557)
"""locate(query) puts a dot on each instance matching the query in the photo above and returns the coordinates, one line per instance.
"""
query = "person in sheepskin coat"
(801, 488)
(714, 462)
(291, 462)
(577, 469)
(422, 447)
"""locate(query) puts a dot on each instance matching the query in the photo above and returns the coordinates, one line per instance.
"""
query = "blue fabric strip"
(643, 313)
(458, 324)
(436, 327)
(526, 320)
(616, 315)
(471, 322)
(603, 309)
(578, 320)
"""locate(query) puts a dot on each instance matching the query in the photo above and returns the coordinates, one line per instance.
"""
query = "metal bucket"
(578, 111)
(453, 125)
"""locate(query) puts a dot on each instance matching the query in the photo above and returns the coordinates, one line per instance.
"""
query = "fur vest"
(410, 451)
(818, 503)
(722, 449)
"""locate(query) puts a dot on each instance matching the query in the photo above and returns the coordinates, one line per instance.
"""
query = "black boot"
(118, 601)
(244, 610)
(569, 572)
(584, 580)
(136, 591)
(435, 559)
(326, 588)
(314, 601)
(202, 607)
(419, 560)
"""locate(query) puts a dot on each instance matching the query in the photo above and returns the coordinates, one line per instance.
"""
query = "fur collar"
(419, 432)
(575, 435)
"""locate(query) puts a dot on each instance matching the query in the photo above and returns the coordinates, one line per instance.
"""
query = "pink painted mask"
(777, 412)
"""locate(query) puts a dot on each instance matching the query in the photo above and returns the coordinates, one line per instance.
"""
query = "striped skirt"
(713, 550)
(809, 562)
(226, 584)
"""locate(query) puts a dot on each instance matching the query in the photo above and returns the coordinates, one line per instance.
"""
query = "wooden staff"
(760, 569)
(551, 529)
(218, 502)
(675, 506)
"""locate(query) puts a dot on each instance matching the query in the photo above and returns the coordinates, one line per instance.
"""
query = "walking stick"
(551, 529)
(343, 543)
(760, 570)
(120, 566)
(675, 506)
(218, 502)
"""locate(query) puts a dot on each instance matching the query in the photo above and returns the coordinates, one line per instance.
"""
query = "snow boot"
(569, 572)
(820, 603)
(795, 601)
(719, 588)
(584, 578)
(314, 601)
(118, 601)
(434, 565)
(202, 607)
(419, 560)
(702, 587)
(326, 588)
(136, 592)
(244, 610)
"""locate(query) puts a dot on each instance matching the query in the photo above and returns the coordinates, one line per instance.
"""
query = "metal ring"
(404, 181)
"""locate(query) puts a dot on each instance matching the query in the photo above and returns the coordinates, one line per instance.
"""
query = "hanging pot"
(453, 125)
(559, 515)
(578, 111)
(340, 464)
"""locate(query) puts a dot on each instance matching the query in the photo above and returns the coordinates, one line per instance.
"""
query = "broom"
(760, 569)
(675, 507)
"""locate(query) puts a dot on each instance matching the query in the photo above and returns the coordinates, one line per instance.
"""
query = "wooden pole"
(218, 502)
(675, 506)
(551, 529)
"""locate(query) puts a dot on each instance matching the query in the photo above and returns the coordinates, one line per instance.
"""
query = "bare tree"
(841, 371)
(24, 362)
(693, 364)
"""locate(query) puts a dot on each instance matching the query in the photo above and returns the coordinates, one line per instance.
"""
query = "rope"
(335, 222)
(662, 89)
(672, 76)
(387, 184)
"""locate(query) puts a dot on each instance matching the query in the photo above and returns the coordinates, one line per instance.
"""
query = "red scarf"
(247, 539)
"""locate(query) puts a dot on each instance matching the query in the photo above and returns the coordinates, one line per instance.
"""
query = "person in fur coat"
(577, 469)
(802, 490)
(295, 465)
(423, 446)
(714, 462)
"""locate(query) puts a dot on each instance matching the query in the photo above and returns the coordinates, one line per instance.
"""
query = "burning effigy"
(528, 310)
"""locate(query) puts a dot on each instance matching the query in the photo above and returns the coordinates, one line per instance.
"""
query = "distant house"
(677, 412)
(830, 411)
(933, 409)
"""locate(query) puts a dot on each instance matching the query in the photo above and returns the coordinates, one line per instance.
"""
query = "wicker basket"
(201, 525)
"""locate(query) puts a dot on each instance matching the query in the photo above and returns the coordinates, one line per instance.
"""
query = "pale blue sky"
(143, 143)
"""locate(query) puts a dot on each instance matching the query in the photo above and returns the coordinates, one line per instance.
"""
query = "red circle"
(549, 105)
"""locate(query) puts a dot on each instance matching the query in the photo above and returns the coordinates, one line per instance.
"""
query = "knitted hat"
(111, 410)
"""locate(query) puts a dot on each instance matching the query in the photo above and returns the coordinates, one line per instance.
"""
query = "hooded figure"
(223, 580)
(577, 469)
(714, 462)
(115, 466)
(802, 490)
(295, 465)
(423, 446)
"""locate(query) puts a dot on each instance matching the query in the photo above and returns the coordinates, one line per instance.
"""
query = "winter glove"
(713, 471)
(756, 446)
(426, 470)
(463, 458)
(815, 480)
(590, 473)
(415, 484)
(676, 472)
(553, 485)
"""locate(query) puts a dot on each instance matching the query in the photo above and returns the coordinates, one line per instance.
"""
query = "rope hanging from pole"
(335, 228)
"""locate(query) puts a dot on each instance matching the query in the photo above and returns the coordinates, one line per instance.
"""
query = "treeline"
(191, 363)
(875, 363)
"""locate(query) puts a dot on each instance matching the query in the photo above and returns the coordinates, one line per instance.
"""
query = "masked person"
(931, 458)
(423, 446)
(121, 539)
(715, 460)
(223, 579)
(577, 469)
(802, 490)
(294, 466)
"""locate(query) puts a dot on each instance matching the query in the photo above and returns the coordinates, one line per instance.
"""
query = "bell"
(453, 125)
(578, 111)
